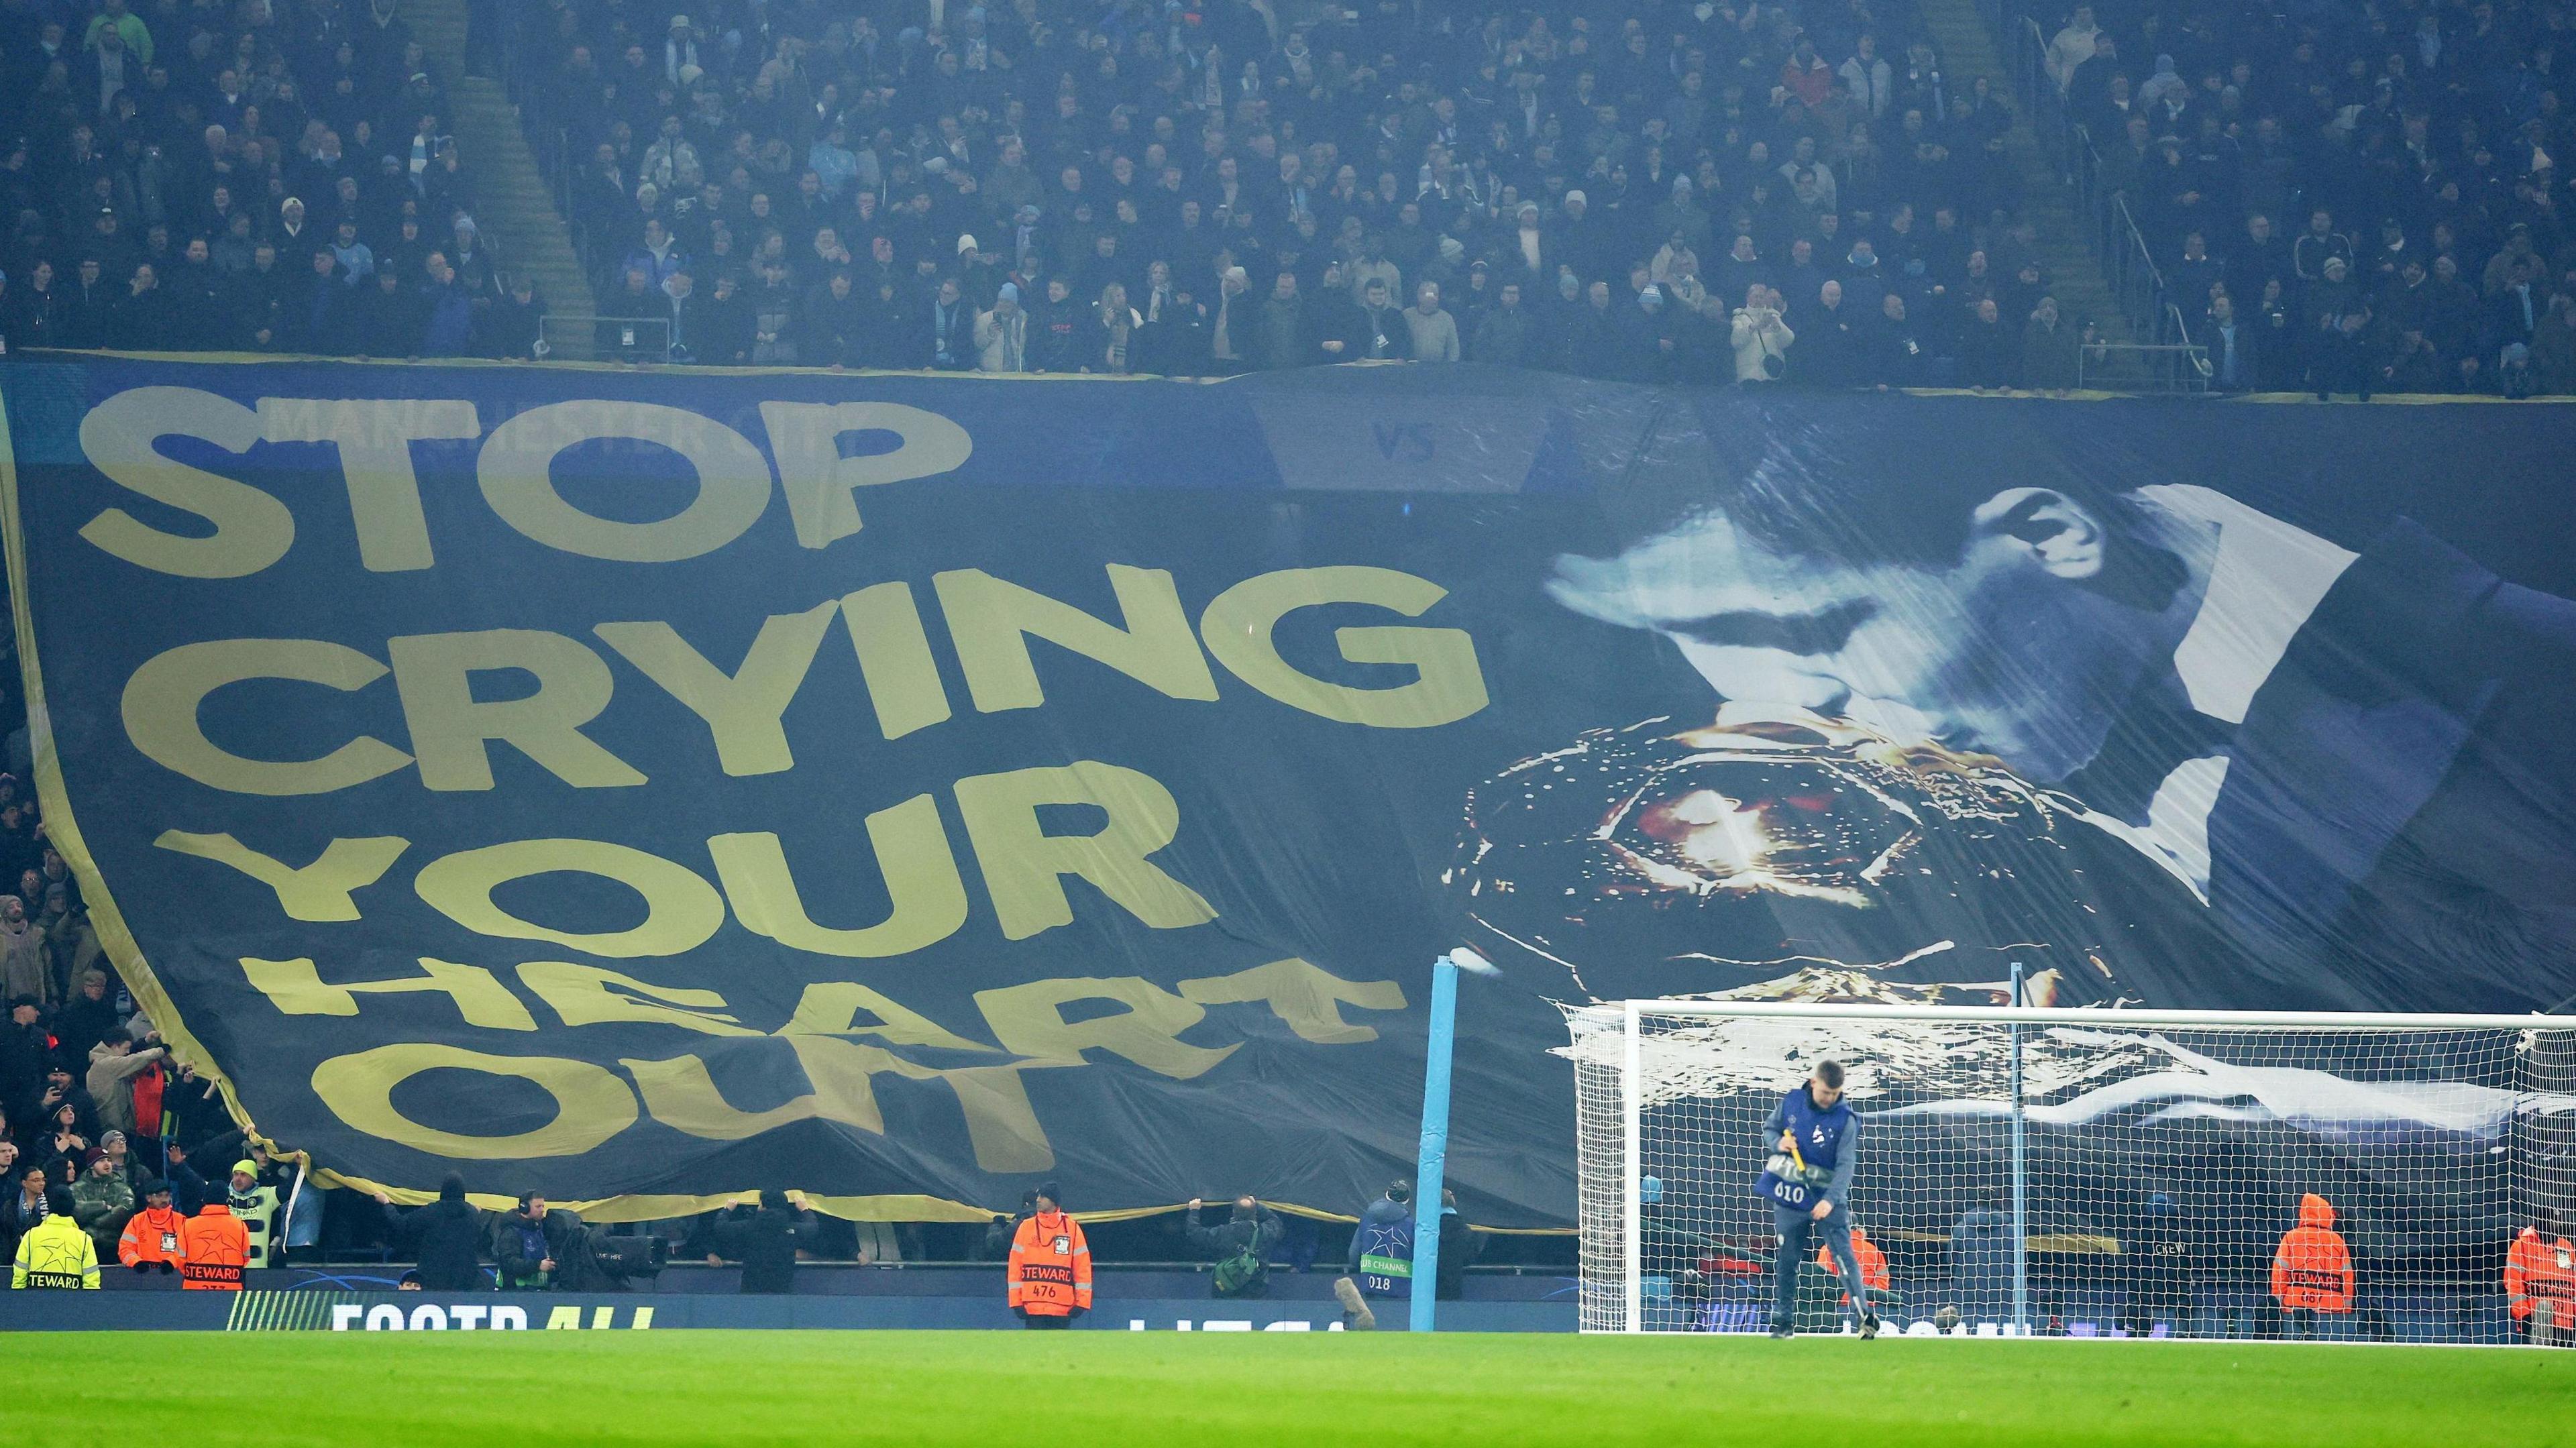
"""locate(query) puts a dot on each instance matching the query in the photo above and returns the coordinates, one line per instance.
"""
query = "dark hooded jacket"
(446, 1238)
(765, 1243)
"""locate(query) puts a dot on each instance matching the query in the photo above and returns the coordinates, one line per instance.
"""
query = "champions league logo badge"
(1782, 857)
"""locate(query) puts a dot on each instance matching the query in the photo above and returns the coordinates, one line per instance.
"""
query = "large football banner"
(652, 786)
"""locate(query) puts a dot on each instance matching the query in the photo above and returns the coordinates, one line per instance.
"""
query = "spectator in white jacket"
(1761, 338)
(1872, 80)
(1002, 334)
(2072, 47)
(1435, 332)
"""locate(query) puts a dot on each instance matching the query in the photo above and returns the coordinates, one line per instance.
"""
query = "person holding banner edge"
(1813, 1144)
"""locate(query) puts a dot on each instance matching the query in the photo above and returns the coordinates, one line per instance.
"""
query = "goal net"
(2082, 1172)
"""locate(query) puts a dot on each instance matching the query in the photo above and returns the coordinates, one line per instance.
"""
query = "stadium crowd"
(2350, 197)
(1654, 192)
(271, 176)
(102, 1133)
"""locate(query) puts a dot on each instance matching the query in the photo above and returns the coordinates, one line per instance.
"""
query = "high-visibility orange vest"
(1873, 1262)
(213, 1245)
(152, 1235)
(2542, 1272)
(2313, 1269)
(1050, 1272)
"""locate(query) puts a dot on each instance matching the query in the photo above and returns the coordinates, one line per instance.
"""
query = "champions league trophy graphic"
(1787, 856)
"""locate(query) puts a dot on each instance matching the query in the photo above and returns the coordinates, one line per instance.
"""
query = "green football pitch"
(1143, 1390)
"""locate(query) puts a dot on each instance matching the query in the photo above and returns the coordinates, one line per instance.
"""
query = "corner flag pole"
(2021, 1178)
(1435, 1136)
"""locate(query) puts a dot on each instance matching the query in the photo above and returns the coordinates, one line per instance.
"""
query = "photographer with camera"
(541, 1248)
(1761, 337)
(1240, 1246)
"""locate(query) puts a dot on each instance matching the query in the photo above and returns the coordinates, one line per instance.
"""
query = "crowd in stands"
(2345, 196)
(99, 1124)
(273, 175)
(1658, 191)
(2348, 196)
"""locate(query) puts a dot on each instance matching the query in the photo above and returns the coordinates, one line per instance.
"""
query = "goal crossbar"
(2076, 1016)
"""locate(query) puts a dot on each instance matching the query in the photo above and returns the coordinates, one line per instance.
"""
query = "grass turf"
(277, 1390)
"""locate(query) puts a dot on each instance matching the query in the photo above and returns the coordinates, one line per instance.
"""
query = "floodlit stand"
(2019, 1165)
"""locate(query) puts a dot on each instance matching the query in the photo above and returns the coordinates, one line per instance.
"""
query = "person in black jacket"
(1459, 1247)
(446, 1238)
(765, 1242)
(1253, 1229)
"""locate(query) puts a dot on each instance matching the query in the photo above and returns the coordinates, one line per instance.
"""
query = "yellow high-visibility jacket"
(55, 1253)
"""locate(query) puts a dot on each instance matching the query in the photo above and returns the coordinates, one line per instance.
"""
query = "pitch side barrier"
(326, 1309)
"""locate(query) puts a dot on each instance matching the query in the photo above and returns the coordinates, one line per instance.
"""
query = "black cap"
(1051, 1192)
(1400, 1190)
(154, 1184)
(58, 1201)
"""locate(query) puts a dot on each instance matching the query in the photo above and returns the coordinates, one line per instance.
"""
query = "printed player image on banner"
(641, 787)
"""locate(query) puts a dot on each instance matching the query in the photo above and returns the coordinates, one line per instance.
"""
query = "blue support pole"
(1435, 1142)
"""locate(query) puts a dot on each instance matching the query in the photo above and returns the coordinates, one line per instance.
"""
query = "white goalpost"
(2087, 1172)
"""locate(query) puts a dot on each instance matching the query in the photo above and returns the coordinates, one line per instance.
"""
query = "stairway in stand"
(513, 204)
(1968, 50)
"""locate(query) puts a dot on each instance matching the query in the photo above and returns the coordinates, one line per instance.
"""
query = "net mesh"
(2161, 1169)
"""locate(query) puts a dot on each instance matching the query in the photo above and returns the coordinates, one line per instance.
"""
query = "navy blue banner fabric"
(662, 785)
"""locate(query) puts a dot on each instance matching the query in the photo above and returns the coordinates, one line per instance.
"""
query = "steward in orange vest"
(151, 1236)
(2313, 1270)
(1873, 1262)
(2540, 1284)
(1050, 1272)
(213, 1245)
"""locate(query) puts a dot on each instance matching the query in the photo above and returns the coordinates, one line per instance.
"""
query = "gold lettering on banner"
(322, 890)
(1306, 997)
(1024, 866)
(682, 911)
(1447, 684)
(991, 621)
(162, 699)
(121, 438)
(927, 897)
(894, 658)
(742, 709)
(831, 1008)
(296, 988)
(1001, 1125)
(374, 438)
(516, 471)
(821, 484)
(680, 1094)
(590, 995)
(1029, 1020)
(450, 727)
(591, 1102)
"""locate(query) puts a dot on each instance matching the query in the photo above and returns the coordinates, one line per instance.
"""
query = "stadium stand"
(2232, 153)
(1589, 189)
